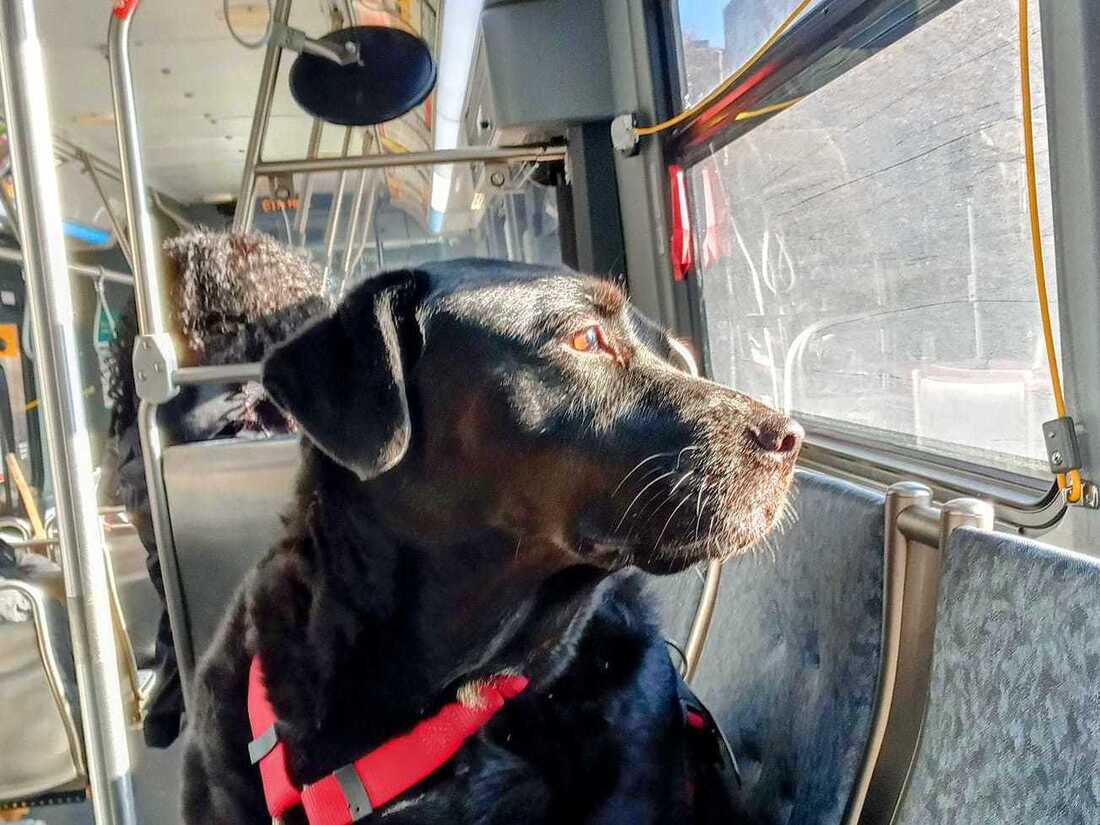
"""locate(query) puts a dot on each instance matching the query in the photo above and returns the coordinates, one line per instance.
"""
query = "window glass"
(717, 36)
(864, 256)
(395, 227)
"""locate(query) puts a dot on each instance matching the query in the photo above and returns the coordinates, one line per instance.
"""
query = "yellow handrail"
(1069, 482)
(726, 84)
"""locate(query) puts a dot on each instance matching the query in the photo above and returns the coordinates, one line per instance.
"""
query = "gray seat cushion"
(791, 665)
(1013, 727)
(675, 600)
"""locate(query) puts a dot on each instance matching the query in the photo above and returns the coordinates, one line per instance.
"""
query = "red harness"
(356, 790)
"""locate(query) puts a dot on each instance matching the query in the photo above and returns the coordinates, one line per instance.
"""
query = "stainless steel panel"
(225, 499)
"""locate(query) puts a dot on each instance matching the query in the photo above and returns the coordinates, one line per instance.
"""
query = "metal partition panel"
(226, 499)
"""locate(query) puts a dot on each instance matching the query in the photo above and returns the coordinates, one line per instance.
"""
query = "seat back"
(1012, 732)
(792, 660)
(38, 692)
(675, 600)
(225, 501)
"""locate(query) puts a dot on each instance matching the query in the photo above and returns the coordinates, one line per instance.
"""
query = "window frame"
(799, 66)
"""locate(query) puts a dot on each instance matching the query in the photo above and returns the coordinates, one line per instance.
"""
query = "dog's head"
(487, 396)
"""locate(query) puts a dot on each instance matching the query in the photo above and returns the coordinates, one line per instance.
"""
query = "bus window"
(395, 226)
(864, 255)
(717, 36)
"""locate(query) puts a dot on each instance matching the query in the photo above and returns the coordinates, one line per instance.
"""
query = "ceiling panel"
(195, 87)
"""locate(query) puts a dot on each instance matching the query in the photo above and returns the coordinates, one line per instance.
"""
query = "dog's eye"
(589, 339)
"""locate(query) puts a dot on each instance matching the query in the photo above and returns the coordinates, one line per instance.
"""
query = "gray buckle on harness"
(356, 795)
(262, 745)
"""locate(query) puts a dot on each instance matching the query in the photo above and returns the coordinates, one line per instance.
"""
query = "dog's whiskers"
(680, 455)
(648, 513)
(675, 510)
(637, 467)
(699, 510)
(640, 494)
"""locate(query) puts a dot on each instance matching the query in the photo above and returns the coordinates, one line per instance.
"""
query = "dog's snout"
(779, 439)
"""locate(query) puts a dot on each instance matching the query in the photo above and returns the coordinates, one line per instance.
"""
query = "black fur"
(460, 513)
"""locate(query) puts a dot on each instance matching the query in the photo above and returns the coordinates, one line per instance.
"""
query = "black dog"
(489, 447)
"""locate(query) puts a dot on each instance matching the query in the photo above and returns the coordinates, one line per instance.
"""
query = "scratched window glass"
(717, 36)
(864, 256)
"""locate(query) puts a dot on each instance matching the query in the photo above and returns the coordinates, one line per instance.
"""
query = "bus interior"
(877, 216)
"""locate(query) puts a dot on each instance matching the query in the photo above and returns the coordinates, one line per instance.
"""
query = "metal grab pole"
(148, 278)
(154, 344)
(538, 153)
(16, 257)
(242, 217)
(335, 209)
(353, 219)
(307, 185)
(49, 293)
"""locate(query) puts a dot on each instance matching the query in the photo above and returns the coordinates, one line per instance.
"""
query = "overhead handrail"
(535, 153)
(84, 270)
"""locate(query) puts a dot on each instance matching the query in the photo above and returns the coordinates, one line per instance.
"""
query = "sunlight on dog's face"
(549, 408)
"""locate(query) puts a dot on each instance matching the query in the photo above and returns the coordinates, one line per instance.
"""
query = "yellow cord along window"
(1069, 482)
(865, 256)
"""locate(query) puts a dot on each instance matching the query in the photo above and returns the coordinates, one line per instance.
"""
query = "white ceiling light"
(456, 54)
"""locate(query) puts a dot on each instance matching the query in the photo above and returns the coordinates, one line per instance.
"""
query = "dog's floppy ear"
(343, 377)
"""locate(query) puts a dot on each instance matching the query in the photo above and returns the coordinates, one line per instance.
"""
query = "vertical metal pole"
(369, 137)
(49, 294)
(335, 208)
(146, 263)
(13, 216)
(120, 235)
(152, 323)
(242, 217)
(307, 185)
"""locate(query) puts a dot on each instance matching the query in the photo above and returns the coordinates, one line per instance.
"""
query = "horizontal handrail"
(16, 257)
(469, 154)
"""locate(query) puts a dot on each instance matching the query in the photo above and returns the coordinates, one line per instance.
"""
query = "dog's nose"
(779, 439)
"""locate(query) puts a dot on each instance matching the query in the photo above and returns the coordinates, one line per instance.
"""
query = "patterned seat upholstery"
(1012, 733)
(792, 661)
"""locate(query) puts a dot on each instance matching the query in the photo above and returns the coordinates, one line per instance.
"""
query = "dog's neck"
(402, 625)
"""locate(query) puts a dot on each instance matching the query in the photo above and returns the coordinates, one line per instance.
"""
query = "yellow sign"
(279, 204)
(9, 341)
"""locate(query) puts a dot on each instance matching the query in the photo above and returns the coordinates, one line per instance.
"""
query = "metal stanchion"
(242, 218)
(308, 182)
(335, 209)
(60, 387)
(154, 352)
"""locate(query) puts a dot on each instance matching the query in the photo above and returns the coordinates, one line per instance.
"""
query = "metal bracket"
(1090, 496)
(296, 40)
(1060, 438)
(624, 134)
(154, 368)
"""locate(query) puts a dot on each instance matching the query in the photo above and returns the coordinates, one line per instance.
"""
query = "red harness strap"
(383, 774)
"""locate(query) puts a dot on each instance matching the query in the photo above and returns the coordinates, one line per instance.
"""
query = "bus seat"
(225, 500)
(1012, 732)
(675, 600)
(41, 713)
(791, 664)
